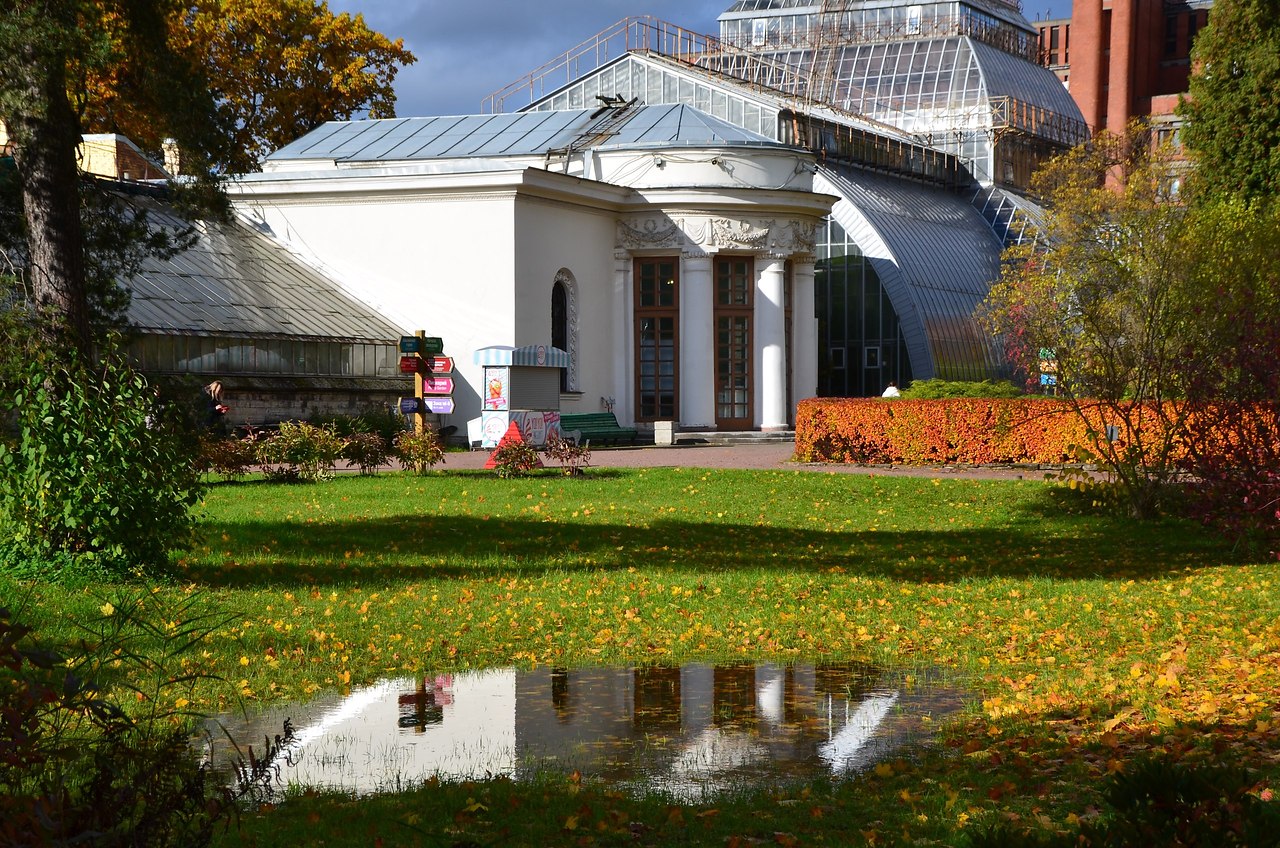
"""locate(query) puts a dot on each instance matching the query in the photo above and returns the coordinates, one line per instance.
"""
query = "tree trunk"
(46, 143)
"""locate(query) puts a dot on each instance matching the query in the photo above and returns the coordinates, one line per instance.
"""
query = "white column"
(697, 343)
(804, 331)
(771, 339)
(624, 382)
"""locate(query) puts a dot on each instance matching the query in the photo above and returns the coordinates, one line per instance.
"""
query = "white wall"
(441, 265)
(550, 236)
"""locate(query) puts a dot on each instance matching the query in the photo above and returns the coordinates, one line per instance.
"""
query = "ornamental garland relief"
(714, 234)
(650, 234)
(739, 235)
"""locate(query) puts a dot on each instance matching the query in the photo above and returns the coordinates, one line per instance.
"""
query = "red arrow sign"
(441, 364)
(432, 385)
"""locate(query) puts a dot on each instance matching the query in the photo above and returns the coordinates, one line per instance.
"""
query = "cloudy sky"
(468, 49)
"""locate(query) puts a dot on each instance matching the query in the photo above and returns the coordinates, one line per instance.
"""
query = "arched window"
(560, 326)
(564, 325)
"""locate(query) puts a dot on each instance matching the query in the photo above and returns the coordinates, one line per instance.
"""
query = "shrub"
(572, 457)
(100, 474)
(228, 457)
(78, 770)
(300, 451)
(515, 459)
(1233, 461)
(366, 450)
(419, 451)
(381, 420)
(975, 431)
(933, 389)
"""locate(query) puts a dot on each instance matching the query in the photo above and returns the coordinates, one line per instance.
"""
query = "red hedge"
(966, 431)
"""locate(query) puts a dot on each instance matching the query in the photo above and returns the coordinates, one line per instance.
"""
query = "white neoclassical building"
(671, 253)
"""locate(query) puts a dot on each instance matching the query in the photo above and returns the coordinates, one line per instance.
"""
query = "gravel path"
(771, 455)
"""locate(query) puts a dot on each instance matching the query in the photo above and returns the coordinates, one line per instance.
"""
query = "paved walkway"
(769, 455)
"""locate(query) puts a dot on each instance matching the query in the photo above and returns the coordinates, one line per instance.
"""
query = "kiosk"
(521, 384)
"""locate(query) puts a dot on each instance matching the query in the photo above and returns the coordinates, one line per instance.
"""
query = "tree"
(277, 69)
(1233, 107)
(54, 46)
(1100, 295)
(1232, 438)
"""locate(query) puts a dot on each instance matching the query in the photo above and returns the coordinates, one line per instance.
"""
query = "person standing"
(217, 409)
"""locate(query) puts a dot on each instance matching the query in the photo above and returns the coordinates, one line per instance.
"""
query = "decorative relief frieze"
(698, 235)
(650, 233)
(803, 236)
(740, 235)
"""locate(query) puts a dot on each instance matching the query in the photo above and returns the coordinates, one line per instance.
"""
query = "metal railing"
(802, 88)
(643, 33)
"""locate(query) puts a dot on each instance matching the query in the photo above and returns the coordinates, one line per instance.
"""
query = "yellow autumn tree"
(276, 68)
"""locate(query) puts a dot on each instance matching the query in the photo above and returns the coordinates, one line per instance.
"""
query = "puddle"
(689, 732)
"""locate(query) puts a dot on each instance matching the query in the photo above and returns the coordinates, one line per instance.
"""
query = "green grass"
(1088, 639)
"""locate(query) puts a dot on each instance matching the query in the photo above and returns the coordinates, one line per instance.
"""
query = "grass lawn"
(1091, 642)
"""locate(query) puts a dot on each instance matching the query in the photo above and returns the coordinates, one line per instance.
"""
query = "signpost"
(431, 388)
(433, 385)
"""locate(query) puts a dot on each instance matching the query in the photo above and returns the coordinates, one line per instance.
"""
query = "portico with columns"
(726, 338)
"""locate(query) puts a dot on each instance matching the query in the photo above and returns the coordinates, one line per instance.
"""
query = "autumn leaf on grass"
(1119, 718)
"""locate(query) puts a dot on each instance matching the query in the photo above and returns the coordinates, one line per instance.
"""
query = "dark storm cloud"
(467, 50)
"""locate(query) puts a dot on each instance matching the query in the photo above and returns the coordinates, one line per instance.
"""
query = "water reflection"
(690, 732)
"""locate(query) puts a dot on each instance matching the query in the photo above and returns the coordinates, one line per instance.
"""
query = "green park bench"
(595, 427)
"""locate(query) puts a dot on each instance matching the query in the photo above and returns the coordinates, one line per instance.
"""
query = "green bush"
(300, 452)
(515, 459)
(934, 389)
(419, 451)
(381, 420)
(368, 451)
(228, 457)
(75, 768)
(572, 458)
(99, 476)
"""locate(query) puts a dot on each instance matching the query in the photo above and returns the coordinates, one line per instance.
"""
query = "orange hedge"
(966, 431)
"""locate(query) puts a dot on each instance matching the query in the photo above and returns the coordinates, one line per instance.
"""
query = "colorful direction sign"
(438, 405)
(409, 364)
(410, 405)
(432, 345)
(433, 385)
(410, 344)
(440, 364)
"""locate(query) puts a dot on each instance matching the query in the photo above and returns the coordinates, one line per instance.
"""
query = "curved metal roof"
(511, 134)
(936, 258)
(1004, 75)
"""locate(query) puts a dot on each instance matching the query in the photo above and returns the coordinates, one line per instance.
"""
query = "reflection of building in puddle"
(374, 740)
(690, 732)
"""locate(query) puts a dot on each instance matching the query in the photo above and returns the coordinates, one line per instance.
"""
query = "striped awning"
(537, 356)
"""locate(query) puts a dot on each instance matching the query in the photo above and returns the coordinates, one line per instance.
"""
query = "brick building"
(1127, 59)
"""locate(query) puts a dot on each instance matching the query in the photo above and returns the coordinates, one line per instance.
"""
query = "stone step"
(746, 437)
